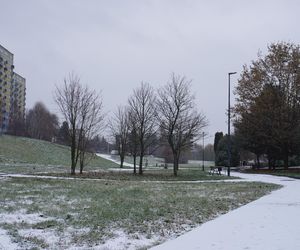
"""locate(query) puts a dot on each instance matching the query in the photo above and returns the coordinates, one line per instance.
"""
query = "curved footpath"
(269, 223)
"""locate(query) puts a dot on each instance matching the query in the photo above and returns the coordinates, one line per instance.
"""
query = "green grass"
(25, 155)
(288, 174)
(292, 172)
(87, 212)
(148, 175)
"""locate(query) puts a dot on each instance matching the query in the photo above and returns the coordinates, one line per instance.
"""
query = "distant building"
(12, 90)
(18, 94)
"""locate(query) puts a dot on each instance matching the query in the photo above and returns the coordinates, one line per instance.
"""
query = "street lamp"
(203, 153)
(229, 142)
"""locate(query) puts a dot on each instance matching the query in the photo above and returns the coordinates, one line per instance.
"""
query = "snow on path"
(128, 166)
(109, 157)
(269, 223)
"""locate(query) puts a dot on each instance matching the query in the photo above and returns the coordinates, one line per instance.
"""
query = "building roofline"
(19, 76)
(6, 49)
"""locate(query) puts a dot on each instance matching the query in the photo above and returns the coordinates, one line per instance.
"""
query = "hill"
(25, 151)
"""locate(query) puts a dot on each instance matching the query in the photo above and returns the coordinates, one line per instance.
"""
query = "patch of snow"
(5, 241)
(21, 217)
(53, 238)
(120, 170)
(49, 236)
(122, 241)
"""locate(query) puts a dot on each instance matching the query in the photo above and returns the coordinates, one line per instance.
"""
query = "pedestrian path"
(269, 223)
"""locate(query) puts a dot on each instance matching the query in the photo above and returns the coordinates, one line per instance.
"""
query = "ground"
(42, 206)
(51, 213)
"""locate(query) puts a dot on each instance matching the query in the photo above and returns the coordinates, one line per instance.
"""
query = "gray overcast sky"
(114, 45)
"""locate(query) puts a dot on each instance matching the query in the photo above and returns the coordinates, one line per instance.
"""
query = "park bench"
(215, 170)
(162, 165)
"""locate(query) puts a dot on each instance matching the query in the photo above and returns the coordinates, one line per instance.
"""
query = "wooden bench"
(215, 170)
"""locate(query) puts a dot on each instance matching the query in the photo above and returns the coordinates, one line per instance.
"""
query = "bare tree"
(91, 121)
(40, 123)
(119, 127)
(82, 110)
(68, 100)
(143, 110)
(180, 123)
(133, 140)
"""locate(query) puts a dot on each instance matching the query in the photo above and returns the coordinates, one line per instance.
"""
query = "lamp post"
(203, 153)
(107, 147)
(229, 142)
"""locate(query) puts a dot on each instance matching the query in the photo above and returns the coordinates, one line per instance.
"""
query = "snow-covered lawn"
(81, 214)
(269, 223)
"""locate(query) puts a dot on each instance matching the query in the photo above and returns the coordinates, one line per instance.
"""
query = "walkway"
(271, 222)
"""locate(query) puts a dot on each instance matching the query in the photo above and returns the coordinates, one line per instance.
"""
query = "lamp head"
(231, 73)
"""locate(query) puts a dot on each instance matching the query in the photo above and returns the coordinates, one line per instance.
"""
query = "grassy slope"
(15, 150)
(30, 156)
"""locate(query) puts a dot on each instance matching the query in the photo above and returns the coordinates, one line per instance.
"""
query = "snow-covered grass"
(61, 214)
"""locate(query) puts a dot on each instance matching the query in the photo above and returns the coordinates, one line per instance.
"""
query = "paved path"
(269, 223)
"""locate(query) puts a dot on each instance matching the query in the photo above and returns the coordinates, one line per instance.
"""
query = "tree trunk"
(273, 164)
(134, 164)
(286, 161)
(122, 160)
(175, 169)
(269, 163)
(258, 161)
(141, 164)
(81, 159)
(175, 164)
(73, 152)
(142, 149)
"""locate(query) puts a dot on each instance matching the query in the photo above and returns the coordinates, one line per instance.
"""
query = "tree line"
(150, 118)
(38, 123)
(267, 110)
